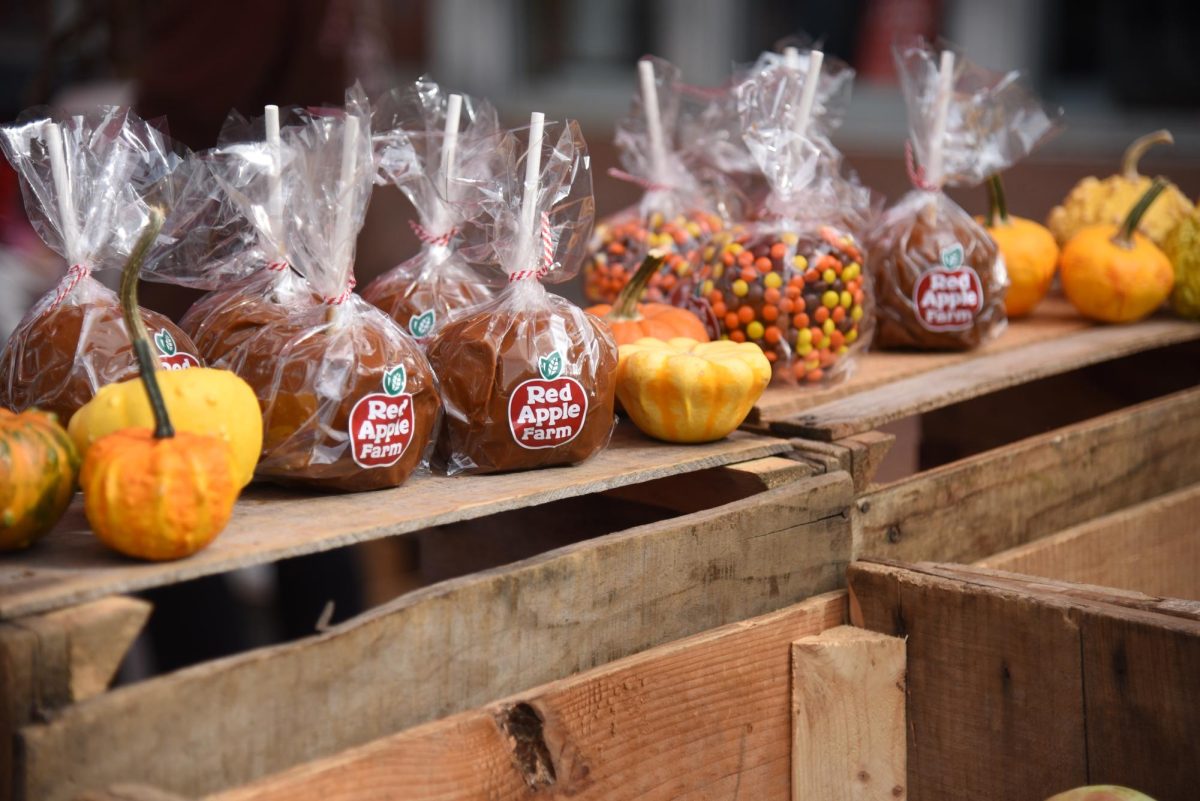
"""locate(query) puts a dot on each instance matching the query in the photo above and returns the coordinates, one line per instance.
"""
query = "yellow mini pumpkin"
(38, 467)
(156, 494)
(681, 390)
(200, 400)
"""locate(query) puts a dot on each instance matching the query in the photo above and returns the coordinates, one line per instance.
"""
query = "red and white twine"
(916, 173)
(277, 266)
(338, 300)
(547, 257)
(429, 238)
(75, 274)
(644, 183)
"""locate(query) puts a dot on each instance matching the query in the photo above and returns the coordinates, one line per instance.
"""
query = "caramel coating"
(57, 358)
(482, 357)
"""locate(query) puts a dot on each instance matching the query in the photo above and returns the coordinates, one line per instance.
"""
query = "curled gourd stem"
(625, 306)
(997, 204)
(147, 365)
(1139, 146)
(1124, 237)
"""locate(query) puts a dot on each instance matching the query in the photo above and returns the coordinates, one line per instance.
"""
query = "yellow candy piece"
(800, 262)
(805, 336)
(773, 280)
(847, 300)
(754, 330)
(851, 271)
(828, 327)
(829, 276)
(852, 335)
(740, 288)
(829, 299)
(707, 286)
(856, 313)
(804, 350)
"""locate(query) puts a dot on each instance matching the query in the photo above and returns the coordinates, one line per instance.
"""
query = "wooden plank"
(1153, 547)
(704, 717)
(993, 707)
(984, 504)
(70, 565)
(984, 373)
(1132, 697)
(1053, 319)
(451, 646)
(691, 492)
(848, 732)
(128, 792)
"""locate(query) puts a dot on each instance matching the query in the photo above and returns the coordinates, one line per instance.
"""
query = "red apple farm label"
(381, 424)
(549, 411)
(949, 296)
(170, 356)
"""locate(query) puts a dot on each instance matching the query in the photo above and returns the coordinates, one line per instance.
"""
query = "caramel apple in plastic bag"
(84, 180)
(440, 150)
(939, 277)
(528, 378)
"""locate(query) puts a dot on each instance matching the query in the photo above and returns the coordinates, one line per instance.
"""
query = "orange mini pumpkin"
(38, 466)
(156, 494)
(631, 321)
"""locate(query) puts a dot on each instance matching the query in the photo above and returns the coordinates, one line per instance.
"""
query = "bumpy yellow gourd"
(1106, 202)
(1183, 249)
(38, 467)
(681, 390)
(200, 400)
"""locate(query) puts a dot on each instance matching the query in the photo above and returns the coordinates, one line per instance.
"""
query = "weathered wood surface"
(1020, 688)
(980, 373)
(451, 646)
(984, 504)
(48, 661)
(860, 455)
(70, 566)
(848, 735)
(1153, 547)
(704, 717)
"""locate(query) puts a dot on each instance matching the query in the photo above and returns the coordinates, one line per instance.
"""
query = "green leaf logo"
(165, 342)
(394, 380)
(550, 366)
(952, 257)
(419, 325)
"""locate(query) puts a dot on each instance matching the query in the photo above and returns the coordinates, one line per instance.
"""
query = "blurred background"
(1119, 69)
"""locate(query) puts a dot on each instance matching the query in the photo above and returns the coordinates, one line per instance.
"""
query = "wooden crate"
(777, 536)
(1021, 687)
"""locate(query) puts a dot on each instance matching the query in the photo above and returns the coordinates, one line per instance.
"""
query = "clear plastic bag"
(528, 378)
(793, 280)
(349, 401)
(446, 176)
(675, 214)
(940, 278)
(87, 180)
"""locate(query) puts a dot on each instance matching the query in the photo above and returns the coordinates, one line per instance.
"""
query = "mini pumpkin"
(1117, 275)
(1029, 250)
(38, 468)
(157, 494)
(630, 320)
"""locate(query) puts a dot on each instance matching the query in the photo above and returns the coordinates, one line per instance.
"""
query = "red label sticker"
(949, 296)
(549, 411)
(381, 424)
(171, 357)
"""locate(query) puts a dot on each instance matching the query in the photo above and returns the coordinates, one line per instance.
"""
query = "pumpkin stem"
(147, 365)
(997, 204)
(1133, 153)
(625, 306)
(1124, 236)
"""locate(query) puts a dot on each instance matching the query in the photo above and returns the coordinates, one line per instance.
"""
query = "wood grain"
(994, 712)
(848, 733)
(450, 647)
(705, 717)
(987, 371)
(1053, 319)
(1041, 685)
(70, 566)
(984, 504)
(1153, 547)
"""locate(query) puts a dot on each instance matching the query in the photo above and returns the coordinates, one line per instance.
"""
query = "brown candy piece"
(939, 279)
(58, 356)
(334, 416)
(527, 382)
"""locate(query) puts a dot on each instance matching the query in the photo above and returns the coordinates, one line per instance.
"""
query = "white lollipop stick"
(791, 58)
(533, 170)
(342, 233)
(811, 80)
(63, 190)
(450, 141)
(658, 152)
(275, 209)
(933, 171)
